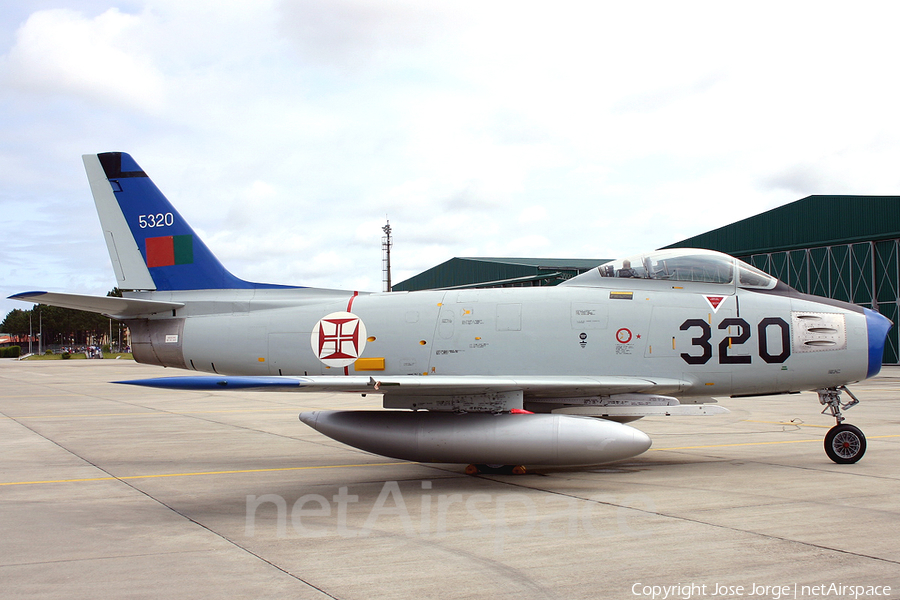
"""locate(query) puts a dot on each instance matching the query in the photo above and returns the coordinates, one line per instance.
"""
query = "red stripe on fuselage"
(349, 309)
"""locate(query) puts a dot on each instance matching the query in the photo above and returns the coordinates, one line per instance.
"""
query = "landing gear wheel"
(845, 444)
(496, 469)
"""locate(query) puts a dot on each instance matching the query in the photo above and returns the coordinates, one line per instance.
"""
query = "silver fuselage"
(752, 342)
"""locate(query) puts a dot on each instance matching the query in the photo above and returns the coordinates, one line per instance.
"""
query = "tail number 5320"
(157, 220)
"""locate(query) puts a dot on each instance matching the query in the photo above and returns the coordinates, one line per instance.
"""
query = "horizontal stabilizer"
(111, 306)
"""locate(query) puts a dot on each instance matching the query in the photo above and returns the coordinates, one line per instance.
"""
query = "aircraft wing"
(431, 385)
(111, 306)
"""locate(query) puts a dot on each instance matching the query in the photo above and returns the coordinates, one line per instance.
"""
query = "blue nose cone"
(878, 326)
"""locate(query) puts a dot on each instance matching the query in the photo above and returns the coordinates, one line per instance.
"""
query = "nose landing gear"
(844, 443)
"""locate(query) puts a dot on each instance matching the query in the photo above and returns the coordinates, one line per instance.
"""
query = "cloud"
(287, 131)
(353, 34)
(801, 179)
(533, 214)
(61, 52)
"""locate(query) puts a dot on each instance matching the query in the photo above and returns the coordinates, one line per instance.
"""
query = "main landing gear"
(844, 443)
(496, 469)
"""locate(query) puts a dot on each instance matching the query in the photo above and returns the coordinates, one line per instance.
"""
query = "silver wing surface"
(535, 387)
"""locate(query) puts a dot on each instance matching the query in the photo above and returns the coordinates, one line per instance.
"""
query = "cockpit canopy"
(686, 264)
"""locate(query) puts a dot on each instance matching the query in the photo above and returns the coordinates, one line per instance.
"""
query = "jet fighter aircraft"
(491, 377)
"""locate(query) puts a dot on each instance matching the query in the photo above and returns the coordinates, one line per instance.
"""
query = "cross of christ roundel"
(338, 339)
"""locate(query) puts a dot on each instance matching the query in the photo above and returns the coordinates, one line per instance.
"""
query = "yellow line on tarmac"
(5, 397)
(788, 423)
(203, 473)
(234, 472)
(730, 445)
(158, 413)
(819, 440)
(169, 413)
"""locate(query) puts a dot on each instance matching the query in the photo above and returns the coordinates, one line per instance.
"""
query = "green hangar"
(498, 272)
(842, 247)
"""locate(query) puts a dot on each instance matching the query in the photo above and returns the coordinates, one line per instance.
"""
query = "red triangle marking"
(715, 301)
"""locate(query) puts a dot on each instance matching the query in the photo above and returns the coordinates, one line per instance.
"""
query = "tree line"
(61, 326)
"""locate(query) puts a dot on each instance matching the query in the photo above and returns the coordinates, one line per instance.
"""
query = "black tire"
(845, 444)
(495, 469)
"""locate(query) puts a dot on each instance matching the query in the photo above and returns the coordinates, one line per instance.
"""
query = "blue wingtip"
(24, 295)
(215, 383)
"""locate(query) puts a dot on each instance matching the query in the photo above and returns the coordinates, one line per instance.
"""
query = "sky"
(286, 132)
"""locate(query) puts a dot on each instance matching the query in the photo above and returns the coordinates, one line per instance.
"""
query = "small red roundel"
(623, 336)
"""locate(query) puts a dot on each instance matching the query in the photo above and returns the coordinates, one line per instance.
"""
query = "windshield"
(753, 277)
(703, 266)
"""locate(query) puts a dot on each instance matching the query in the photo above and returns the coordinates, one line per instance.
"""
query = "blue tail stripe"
(175, 256)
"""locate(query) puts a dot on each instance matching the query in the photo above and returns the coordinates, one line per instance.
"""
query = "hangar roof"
(498, 272)
(810, 222)
(806, 223)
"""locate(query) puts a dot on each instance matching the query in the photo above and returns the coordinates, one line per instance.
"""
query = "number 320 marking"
(703, 341)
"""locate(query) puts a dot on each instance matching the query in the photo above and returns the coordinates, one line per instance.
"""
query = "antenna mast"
(386, 244)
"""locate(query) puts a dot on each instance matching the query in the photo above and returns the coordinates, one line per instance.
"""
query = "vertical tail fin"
(151, 246)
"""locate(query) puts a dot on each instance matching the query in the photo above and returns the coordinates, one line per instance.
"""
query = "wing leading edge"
(614, 397)
(431, 385)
